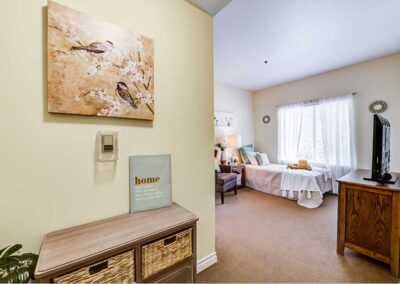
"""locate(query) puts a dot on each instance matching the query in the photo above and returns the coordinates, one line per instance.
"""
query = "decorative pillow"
(243, 150)
(252, 158)
(262, 159)
(216, 166)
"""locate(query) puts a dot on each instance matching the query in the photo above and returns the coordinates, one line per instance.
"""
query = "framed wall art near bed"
(96, 68)
(223, 119)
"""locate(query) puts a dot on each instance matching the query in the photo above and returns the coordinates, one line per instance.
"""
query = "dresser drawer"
(164, 253)
(116, 269)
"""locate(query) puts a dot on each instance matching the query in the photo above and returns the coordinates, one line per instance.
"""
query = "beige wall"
(48, 176)
(240, 103)
(377, 79)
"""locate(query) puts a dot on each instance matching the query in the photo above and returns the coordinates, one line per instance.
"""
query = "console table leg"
(341, 220)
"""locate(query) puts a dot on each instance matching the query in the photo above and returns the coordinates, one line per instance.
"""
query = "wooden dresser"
(369, 218)
(152, 246)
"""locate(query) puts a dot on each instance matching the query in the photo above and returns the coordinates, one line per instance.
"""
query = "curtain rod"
(313, 101)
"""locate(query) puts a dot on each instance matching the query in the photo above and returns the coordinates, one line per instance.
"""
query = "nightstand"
(239, 169)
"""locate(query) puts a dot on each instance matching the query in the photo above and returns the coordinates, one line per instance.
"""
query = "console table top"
(81, 244)
(357, 178)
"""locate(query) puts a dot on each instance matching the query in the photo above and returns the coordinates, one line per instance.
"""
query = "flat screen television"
(381, 151)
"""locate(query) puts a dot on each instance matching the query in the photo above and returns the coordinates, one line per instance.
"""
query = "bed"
(268, 178)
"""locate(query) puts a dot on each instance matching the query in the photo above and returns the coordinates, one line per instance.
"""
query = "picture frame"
(224, 119)
(96, 68)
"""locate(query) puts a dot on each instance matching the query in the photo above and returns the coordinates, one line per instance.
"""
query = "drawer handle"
(99, 267)
(170, 240)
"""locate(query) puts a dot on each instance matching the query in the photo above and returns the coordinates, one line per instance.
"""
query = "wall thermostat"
(107, 143)
(106, 146)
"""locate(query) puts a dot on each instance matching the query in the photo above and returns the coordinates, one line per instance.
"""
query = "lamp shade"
(235, 141)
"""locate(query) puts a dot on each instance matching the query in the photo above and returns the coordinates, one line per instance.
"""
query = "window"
(311, 145)
(321, 131)
(300, 133)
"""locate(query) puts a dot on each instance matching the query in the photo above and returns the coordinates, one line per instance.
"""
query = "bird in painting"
(123, 92)
(98, 49)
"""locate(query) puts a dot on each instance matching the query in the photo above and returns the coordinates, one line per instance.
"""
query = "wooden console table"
(369, 218)
(152, 246)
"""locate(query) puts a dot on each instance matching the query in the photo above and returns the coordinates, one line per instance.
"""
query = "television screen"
(381, 148)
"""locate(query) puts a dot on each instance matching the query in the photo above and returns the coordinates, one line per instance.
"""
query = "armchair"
(225, 181)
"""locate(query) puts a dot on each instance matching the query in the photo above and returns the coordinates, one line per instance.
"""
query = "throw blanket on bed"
(305, 183)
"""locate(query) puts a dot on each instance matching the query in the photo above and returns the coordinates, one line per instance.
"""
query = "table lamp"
(235, 142)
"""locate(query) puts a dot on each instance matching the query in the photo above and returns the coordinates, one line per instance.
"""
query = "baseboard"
(206, 262)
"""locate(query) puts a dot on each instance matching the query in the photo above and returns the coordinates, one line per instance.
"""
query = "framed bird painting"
(96, 68)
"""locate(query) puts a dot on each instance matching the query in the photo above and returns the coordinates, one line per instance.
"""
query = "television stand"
(369, 218)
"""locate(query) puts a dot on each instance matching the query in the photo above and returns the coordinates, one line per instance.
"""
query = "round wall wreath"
(378, 106)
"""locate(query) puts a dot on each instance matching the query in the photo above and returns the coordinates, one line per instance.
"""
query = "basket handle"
(170, 240)
(98, 267)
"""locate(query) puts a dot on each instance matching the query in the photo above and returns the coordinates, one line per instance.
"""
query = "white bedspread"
(268, 179)
(304, 182)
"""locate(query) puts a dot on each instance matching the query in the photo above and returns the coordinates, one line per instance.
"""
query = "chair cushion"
(225, 178)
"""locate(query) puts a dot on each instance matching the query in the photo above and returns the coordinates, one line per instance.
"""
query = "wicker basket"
(116, 269)
(166, 252)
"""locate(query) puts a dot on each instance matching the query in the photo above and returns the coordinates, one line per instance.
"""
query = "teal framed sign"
(150, 182)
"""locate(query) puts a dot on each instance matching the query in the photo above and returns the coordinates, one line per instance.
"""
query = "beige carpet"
(264, 238)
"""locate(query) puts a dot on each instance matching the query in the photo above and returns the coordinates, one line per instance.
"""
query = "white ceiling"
(299, 38)
(211, 7)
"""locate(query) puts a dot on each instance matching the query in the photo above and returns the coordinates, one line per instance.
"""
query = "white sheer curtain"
(289, 129)
(338, 133)
(328, 138)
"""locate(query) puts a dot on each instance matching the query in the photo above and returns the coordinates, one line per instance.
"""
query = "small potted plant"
(14, 267)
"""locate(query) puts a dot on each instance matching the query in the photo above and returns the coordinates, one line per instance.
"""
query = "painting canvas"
(96, 68)
(223, 119)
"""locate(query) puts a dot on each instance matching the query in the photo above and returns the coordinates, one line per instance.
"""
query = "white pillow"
(262, 159)
(252, 158)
